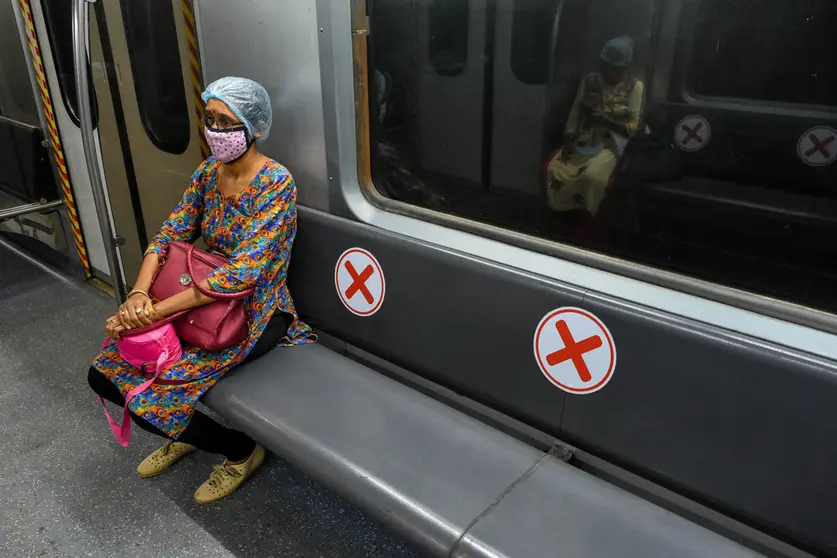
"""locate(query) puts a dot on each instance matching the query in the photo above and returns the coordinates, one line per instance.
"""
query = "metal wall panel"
(276, 44)
(459, 321)
(720, 417)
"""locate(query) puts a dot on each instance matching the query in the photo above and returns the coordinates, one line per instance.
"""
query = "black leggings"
(202, 431)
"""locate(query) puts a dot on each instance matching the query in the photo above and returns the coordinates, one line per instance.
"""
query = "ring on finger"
(138, 309)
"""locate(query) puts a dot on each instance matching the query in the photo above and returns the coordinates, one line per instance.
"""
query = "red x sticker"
(692, 133)
(574, 350)
(360, 282)
(817, 147)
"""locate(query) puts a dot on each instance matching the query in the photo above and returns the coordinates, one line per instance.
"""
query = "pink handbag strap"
(122, 432)
(190, 249)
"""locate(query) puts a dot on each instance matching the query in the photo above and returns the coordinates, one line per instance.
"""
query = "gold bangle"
(137, 291)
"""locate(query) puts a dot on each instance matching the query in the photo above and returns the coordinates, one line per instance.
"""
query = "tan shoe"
(226, 478)
(163, 458)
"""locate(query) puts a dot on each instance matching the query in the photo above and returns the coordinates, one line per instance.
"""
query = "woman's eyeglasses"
(220, 123)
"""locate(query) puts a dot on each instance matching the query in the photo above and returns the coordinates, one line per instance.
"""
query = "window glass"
(158, 76)
(738, 196)
(530, 43)
(448, 33)
(787, 48)
(59, 23)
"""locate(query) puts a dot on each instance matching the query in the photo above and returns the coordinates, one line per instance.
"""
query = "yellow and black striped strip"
(195, 70)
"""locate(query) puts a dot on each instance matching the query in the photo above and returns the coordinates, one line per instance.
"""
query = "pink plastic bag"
(151, 351)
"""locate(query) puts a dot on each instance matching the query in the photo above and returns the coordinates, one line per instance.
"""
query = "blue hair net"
(619, 52)
(247, 100)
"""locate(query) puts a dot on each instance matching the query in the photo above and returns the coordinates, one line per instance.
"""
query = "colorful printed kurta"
(255, 229)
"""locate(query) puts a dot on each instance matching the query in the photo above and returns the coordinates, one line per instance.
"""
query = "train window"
(786, 47)
(158, 77)
(58, 15)
(735, 195)
(531, 40)
(448, 31)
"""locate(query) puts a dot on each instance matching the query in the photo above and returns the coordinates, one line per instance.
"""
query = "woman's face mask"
(228, 145)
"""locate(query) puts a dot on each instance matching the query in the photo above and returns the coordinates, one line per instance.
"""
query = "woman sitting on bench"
(604, 115)
(243, 204)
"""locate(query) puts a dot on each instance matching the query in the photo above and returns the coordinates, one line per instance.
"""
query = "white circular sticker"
(818, 146)
(360, 282)
(692, 133)
(575, 350)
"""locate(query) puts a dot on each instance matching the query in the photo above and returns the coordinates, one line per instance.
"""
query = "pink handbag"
(216, 326)
(152, 350)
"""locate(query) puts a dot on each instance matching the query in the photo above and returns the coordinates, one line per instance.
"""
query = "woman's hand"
(601, 119)
(114, 327)
(135, 312)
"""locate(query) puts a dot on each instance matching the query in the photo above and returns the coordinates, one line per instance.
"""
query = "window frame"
(778, 321)
(143, 106)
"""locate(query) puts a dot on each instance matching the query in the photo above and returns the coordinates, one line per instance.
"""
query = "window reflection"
(603, 118)
(787, 51)
(584, 137)
(532, 26)
(448, 36)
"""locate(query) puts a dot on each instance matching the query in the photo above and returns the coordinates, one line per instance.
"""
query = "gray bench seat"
(432, 472)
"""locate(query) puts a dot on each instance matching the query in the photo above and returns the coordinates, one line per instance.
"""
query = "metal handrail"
(25, 209)
(18, 123)
(81, 40)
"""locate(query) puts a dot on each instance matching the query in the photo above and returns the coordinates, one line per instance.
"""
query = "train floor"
(68, 489)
